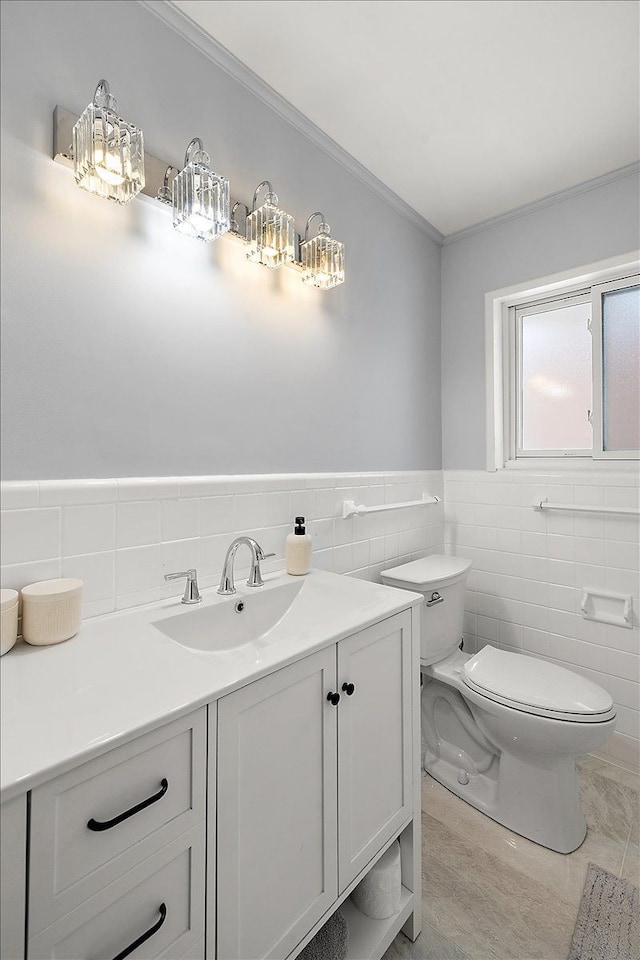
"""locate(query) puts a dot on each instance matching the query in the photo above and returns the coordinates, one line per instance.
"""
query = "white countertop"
(121, 676)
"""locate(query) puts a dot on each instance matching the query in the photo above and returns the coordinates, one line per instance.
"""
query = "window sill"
(572, 464)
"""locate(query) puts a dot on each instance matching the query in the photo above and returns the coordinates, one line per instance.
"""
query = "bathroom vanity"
(191, 798)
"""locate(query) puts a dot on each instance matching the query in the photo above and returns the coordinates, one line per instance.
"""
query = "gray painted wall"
(592, 226)
(130, 350)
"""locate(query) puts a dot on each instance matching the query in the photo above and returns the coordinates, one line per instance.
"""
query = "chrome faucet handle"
(191, 592)
(255, 575)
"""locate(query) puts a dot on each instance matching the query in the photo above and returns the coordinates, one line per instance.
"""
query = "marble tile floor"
(489, 894)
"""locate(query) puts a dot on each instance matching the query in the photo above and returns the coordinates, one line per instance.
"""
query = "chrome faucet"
(227, 586)
(191, 592)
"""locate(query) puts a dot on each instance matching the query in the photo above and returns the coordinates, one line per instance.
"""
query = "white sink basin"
(231, 623)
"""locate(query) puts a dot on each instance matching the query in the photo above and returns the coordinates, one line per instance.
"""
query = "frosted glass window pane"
(556, 379)
(621, 368)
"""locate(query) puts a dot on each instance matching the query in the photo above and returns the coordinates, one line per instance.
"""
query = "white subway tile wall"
(121, 536)
(530, 568)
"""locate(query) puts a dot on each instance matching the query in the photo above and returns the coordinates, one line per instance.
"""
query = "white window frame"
(500, 357)
(599, 452)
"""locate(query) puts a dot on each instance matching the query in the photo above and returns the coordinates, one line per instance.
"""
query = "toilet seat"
(536, 687)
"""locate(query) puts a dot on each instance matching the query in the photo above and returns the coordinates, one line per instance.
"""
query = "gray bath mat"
(330, 942)
(608, 924)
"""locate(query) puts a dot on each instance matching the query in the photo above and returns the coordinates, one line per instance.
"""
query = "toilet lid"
(435, 570)
(534, 685)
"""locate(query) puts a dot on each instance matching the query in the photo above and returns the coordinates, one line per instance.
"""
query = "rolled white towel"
(378, 895)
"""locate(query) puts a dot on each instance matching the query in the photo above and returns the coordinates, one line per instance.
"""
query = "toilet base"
(519, 796)
(467, 746)
(480, 791)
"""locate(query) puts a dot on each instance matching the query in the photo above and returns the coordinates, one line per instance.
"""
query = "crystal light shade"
(270, 232)
(200, 197)
(108, 152)
(322, 259)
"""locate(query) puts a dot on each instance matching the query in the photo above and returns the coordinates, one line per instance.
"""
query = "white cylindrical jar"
(51, 611)
(9, 620)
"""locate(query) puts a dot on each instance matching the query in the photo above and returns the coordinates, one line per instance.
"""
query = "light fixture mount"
(234, 227)
(163, 193)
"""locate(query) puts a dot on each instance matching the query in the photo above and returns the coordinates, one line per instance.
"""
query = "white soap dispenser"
(298, 550)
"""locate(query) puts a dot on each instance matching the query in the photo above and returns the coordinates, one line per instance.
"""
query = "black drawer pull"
(144, 936)
(333, 698)
(349, 688)
(107, 824)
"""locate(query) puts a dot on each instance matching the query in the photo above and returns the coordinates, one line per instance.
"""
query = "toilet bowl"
(501, 730)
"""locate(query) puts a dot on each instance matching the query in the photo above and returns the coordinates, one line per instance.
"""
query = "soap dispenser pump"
(298, 550)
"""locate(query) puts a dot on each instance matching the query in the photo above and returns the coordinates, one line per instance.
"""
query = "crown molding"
(186, 28)
(183, 25)
(631, 170)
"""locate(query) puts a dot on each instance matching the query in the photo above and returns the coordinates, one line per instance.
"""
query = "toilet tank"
(441, 580)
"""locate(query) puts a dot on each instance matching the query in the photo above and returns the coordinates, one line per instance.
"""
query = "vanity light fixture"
(322, 257)
(108, 159)
(108, 152)
(269, 231)
(200, 196)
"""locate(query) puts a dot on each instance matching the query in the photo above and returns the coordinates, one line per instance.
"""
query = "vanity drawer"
(160, 902)
(93, 824)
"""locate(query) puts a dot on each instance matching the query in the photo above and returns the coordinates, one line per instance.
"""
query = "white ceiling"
(465, 108)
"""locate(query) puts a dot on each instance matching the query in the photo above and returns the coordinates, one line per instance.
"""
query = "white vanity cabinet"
(314, 778)
(236, 830)
(13, 871)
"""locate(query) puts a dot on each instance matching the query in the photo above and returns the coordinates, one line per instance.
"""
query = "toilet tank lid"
(427, 572)
(535, 683)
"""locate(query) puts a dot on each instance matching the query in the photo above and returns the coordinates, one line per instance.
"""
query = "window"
(616, 339)
(564, 370)
(554, 378)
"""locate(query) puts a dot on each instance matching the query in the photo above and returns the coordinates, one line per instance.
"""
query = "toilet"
(501, 730)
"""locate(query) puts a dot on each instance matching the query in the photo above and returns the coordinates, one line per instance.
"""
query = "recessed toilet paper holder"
(607, 607)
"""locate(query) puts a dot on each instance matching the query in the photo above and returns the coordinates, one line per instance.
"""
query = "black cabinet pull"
(144, 936)
(348, 688)
(333, 698)
(107, 824)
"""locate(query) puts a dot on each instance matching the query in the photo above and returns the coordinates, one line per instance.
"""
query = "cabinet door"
(13, 871)
(277, 808)
(374, 741)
